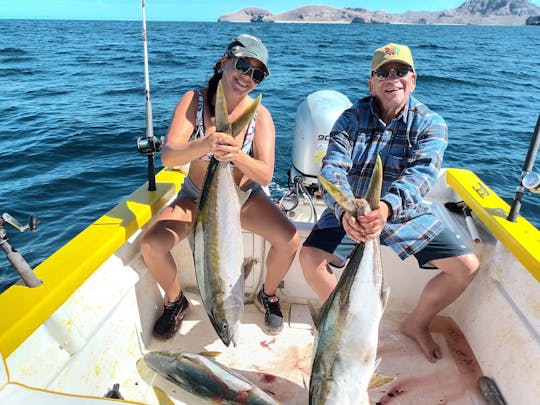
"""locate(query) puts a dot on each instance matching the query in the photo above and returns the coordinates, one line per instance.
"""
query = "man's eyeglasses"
(382, 74)
(243, 66)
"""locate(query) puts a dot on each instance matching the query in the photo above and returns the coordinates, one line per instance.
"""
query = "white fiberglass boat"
(85, 328)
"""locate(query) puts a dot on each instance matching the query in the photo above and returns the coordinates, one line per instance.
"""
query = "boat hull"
(93, 327)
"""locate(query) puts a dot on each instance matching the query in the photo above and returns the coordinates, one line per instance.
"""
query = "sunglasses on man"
(383, 74)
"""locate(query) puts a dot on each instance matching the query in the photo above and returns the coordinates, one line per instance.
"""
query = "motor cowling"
(315, 117)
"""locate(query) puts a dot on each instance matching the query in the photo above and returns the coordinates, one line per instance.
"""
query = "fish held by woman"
(217, 241)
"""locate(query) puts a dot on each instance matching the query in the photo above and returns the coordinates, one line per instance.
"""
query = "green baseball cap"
(248, 46)
(392, 53)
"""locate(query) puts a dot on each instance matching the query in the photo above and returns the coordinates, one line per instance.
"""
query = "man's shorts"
(337, 242)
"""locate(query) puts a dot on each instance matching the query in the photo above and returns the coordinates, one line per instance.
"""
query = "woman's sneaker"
(273, 318)
(169, 322)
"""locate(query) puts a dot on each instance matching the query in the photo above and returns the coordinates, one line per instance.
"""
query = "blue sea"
(72, 104)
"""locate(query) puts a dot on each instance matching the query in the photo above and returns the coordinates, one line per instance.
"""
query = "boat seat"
(15, 393)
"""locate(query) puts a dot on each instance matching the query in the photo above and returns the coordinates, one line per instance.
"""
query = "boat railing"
(16, 259)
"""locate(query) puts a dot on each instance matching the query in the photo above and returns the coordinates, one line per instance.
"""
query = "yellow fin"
(222, 114)
(385, 296)
(373, 195)
(162, 397)
(348, 204)
(240, 123)
(210, 354)
(379, 380)
(315, 311)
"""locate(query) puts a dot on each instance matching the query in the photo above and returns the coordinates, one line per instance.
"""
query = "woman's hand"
(224, 147)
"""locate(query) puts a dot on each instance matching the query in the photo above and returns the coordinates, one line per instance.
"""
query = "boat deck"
(281, 364)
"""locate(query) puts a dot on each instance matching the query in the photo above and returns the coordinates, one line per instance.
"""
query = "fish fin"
(210, 354)
(198, 252)
(240, 123)
(222, 114)
(242, 195)
(315, 311)
(348, 204)
(377, 362)
(162, 397)
(373, 195)
(247, 265)
(192, 289)
(379, 380)
(385, 296)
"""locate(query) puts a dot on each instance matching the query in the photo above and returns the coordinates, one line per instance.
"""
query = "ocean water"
(72, 104)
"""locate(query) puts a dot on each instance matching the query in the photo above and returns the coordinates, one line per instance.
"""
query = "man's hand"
(368, 226)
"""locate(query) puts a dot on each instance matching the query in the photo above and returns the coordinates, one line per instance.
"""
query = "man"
(411, 139)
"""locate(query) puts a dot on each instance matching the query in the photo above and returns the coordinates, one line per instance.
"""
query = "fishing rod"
(529, 180)
(15, 258)
(150, 144)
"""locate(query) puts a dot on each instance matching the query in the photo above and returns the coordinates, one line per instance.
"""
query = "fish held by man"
(203, 376)
(217, 240)
(348, 326)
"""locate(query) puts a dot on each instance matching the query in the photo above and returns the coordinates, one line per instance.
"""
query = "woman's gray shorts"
(189, 190)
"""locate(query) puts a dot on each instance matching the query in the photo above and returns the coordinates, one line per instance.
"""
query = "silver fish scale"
(219, 256)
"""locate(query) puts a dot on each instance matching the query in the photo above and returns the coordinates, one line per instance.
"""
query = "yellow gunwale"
(24, 309)
(521, 238)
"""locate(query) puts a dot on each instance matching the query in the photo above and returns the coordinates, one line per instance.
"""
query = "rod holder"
(527, 169)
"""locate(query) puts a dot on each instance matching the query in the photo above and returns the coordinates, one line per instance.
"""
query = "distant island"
(479, 12)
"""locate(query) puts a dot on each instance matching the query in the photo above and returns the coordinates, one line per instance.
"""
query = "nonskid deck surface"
(281, 364)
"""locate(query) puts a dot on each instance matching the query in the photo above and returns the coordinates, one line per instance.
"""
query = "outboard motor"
(315, 117)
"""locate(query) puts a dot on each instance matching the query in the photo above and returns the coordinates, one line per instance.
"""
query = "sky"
(190, 10)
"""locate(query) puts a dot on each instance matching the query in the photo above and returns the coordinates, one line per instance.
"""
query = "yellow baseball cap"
(391, 53)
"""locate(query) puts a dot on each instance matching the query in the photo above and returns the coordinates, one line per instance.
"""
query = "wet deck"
(281, 364)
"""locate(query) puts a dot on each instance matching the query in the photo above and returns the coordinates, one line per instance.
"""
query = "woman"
(192, 138)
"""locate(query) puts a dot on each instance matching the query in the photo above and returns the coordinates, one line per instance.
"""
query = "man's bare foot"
(423, 339)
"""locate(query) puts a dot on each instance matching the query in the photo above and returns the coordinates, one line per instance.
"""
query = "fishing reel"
(14, 256)
(149, 145)
(531, 181)
(8, 219)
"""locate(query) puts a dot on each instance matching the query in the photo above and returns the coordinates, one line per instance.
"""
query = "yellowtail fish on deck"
(201, 375)
(348, 327)
(217, 244)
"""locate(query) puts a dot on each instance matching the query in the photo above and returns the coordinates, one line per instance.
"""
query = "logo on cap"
(391, 51)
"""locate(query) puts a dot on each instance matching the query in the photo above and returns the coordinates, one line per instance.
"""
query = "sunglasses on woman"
(382, 74)
(243, 66)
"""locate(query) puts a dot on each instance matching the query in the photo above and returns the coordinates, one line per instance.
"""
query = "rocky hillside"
(500, 12)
